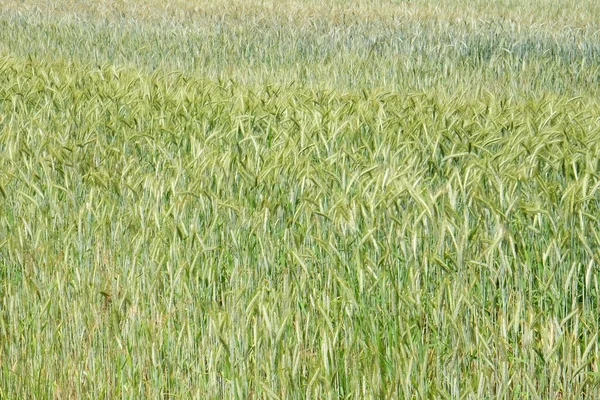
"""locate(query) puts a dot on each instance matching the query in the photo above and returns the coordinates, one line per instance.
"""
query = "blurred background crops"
(507, 46)
(280, 199)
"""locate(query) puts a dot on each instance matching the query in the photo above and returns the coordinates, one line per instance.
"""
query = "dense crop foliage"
(285, 205)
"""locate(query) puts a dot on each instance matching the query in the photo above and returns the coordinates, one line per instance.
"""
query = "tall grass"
(174, 223)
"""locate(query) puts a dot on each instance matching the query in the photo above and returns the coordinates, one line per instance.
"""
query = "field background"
(285, 199)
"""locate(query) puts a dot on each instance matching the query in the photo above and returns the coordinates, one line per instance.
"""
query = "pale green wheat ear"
(305, 200)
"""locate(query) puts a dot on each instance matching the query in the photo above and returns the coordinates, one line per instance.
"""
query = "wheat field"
(299, 200)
